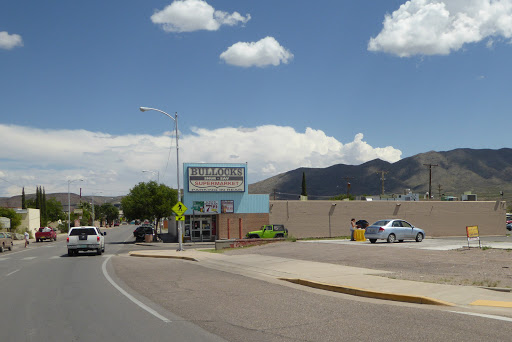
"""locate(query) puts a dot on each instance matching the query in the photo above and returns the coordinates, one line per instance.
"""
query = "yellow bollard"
(359, 235)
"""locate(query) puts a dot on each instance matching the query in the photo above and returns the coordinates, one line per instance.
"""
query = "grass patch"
(484, 248)
(291, 238)
(486, 283)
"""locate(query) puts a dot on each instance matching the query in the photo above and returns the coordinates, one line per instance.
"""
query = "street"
(49, 296)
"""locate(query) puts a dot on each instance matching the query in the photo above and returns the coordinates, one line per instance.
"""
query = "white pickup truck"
(85, 239)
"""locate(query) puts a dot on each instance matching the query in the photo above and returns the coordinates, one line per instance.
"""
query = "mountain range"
(484, 172)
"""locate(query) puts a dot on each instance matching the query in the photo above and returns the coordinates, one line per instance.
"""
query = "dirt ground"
(465, 266)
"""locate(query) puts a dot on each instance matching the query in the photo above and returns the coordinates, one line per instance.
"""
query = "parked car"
(85, 239)
(5, 241)
(269, 231)
(393, 230)
(141, 231)
(509, 226)
(46, 233)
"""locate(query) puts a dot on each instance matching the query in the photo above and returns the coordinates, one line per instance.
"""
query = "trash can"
(148, 238)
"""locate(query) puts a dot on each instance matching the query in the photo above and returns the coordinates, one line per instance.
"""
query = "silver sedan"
(393, 230)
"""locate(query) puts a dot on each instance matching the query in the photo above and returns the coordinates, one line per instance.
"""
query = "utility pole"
(382, 178)
(439, 189)
(347, 179)
(430, 179)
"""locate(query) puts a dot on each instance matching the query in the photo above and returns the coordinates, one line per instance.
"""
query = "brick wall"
(438, 218)
(250, 222)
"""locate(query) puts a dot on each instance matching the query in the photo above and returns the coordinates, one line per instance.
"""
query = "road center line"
(500, 318)
(129, 296)
(8, 274)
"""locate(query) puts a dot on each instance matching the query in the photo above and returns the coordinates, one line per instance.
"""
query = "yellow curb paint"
(492, 303)
(368, 293)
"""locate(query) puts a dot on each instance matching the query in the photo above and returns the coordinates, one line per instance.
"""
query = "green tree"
(38, 199)
(44, 214)
(54, 210)
(86, 213)
(23, 204)
(304, 190)
(149, 201)
(109, 212)
(30, 203)
(11, 214)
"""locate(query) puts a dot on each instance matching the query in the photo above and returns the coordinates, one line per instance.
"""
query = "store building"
(218, 203)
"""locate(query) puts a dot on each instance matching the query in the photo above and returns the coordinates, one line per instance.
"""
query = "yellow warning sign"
(179, 208)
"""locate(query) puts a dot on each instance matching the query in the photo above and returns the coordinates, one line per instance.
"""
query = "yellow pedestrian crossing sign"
(180, 218)
(179, 209)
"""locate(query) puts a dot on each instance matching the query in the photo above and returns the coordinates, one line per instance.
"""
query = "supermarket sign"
(218, 179)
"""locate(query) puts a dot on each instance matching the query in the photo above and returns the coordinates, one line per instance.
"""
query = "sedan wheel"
(419, 237)
(373, 240)
(391, 238)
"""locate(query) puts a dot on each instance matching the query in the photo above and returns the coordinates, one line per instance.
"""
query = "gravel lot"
(464, 266)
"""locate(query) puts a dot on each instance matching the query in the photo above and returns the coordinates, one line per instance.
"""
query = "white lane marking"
(129, 296)
(500, 318)
(29, 258)
(8, 274)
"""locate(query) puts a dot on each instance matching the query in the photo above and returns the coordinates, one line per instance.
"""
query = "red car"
(46, 233)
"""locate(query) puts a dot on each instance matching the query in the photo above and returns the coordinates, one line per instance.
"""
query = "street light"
(153, 172)
(175, 119)
(69, 201)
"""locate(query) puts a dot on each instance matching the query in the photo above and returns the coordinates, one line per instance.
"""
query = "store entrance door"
(201, 229)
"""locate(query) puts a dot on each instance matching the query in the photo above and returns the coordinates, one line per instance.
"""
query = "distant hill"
(484, 172)
(74, 199)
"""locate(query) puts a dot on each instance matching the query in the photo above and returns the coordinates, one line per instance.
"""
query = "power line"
(347, 179)
(382, 178)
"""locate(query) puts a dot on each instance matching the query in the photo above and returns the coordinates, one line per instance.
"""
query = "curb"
(143, 255)
(368, 293)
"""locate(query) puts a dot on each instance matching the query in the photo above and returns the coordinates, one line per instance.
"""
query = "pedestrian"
(352, 229)
(26, 239)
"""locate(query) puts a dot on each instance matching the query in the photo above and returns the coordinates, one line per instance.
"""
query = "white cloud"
(9, 41)
(266, 51)
(194, 15)
(113, 164)
(438, 27)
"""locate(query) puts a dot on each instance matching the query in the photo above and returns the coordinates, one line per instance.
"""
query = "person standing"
(352, 229)
(26, 239)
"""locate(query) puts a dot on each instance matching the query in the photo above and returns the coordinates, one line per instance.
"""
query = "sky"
(278, 85)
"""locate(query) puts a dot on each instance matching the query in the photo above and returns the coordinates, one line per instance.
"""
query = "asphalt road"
(48, 296)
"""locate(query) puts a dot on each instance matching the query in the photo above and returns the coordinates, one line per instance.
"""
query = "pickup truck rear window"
(86, 231)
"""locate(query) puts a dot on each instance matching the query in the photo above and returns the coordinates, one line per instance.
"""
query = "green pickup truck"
(269, 231)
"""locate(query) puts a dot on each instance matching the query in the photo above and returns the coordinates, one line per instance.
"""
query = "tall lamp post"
(175, 119)
(69, 201)
(153, 172)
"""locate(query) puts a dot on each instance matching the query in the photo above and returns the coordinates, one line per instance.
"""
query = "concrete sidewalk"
(345, 279)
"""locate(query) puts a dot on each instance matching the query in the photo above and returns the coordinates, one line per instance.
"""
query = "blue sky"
(276, 84)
